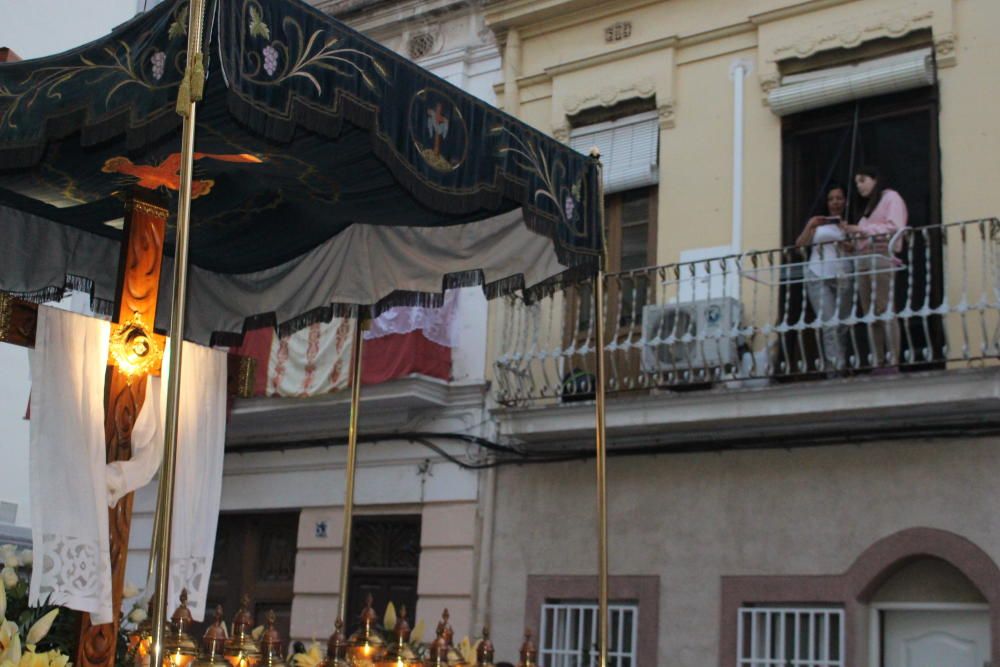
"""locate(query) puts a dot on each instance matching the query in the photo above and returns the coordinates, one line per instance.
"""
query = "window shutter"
(891, 74)
(629, 150)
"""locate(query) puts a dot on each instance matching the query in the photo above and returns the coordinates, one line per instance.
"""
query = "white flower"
(137, 615)
(12, 561)
(7, 550)
(41, 627)
(27, 557)
(130, 591)
(9, 577)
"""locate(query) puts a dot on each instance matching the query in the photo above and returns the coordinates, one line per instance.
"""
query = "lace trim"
(74, 572)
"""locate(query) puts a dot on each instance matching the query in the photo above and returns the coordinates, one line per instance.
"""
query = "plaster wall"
(692, 519)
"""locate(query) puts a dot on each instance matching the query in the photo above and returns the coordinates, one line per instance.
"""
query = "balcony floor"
(906, 405)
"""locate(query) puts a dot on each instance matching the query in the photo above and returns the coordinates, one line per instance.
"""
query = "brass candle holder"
(271, 644)
(241, 650)
(529, 654)
(366, 646)
(213, 644)
(336, 647)
(442, 651)
(179, 649)
(484, 652)
(399, 653)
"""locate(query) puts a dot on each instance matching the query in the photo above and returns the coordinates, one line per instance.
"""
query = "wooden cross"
(135, 301)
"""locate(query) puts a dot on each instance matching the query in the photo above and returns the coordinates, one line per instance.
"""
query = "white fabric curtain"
(69, 515)
(201, 439)
(72, 487)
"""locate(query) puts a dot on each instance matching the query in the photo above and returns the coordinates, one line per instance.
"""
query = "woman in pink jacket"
(875, 264)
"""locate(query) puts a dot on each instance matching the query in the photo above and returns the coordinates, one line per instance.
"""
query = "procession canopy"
(329, 172)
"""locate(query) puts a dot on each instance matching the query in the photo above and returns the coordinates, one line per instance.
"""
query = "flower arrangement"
(30, 636)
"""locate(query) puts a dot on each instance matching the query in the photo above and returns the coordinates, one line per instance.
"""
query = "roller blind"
(822, 88)
(629, 148)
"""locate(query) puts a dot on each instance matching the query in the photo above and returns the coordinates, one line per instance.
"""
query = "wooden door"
(255, 556)
(385, 562)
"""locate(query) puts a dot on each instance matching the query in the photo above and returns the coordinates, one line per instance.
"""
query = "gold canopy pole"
(600, 436)
(188, 93)
(352, 456)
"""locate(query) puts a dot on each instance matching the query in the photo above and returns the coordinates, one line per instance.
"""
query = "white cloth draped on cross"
(72, 486)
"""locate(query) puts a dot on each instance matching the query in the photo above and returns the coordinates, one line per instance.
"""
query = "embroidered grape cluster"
(158, 60)
(270, 59)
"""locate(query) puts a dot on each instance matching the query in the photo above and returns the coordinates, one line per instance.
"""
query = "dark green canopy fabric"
(306, 128)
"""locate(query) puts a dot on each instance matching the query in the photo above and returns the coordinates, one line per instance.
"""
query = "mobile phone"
(831, 220)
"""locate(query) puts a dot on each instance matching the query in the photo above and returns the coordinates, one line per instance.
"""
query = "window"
(790, 637)
(569, 634)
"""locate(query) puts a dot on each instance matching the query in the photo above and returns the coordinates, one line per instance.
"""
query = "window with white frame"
(569, 634)
(790, 637)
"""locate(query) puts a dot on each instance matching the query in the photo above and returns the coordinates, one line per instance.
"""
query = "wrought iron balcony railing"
(928, 298)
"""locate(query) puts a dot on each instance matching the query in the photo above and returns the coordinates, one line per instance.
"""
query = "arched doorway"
(931, 598)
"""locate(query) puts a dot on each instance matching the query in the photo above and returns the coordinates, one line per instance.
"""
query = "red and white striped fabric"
(316, 360)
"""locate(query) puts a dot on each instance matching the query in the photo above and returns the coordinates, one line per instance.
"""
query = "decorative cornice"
(610, 96)
(854, 32)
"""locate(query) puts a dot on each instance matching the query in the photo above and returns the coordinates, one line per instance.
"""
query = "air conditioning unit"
(694, 335)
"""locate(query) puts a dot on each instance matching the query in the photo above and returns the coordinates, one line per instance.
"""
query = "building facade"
(767, 505)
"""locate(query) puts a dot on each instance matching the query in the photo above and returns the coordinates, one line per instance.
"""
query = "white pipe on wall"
(738, 72)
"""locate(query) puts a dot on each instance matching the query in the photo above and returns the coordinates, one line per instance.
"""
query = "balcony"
(699, 330)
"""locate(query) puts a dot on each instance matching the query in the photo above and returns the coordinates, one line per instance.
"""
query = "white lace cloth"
(69, 515)
(201, 440)
(72, 487)
(437, 324)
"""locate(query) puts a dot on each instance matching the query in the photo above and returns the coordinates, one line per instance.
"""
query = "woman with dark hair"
(885, 214)
(828, 276)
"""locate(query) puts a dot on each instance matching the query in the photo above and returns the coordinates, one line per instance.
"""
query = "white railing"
(790, 637)
(927, 298)
(569, 635)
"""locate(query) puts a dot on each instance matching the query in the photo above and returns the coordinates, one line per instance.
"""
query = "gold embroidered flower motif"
(257, 26)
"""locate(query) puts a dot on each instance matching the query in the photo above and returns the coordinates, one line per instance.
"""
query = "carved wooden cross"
(135, 301)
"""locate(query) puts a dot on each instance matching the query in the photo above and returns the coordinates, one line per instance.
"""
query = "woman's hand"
(850, 229)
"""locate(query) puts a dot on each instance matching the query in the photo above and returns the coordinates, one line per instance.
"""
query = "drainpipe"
(484, 588)
(738, 72)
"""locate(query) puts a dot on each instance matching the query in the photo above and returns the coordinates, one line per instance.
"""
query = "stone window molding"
(827, 33)
(854, 589)
(641, 589)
